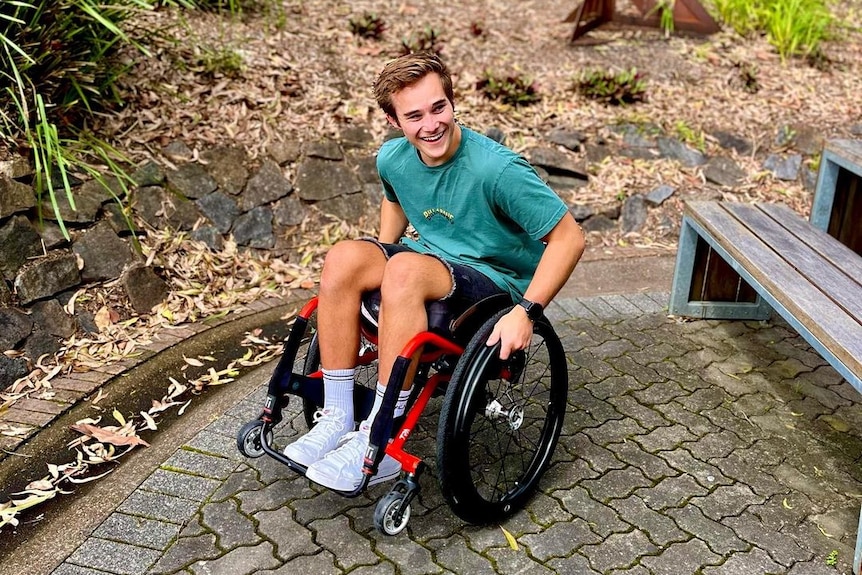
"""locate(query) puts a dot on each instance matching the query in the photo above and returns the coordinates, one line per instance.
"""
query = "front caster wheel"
(249, 437)
(387, 518)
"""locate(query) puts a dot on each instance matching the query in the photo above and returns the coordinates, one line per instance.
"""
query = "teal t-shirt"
(485, 208)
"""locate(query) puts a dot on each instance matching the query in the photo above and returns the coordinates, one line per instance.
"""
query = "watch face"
(534, 310)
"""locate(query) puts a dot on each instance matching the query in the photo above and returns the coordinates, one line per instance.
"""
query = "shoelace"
(350, 451)
(326, 422)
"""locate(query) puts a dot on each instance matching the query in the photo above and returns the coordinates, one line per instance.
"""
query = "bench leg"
(857, 556)
(687, 268)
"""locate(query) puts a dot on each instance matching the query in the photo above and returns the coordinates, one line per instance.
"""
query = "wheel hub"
(515, 416)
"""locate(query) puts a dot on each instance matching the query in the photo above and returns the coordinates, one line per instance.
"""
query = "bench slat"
(817, 312)
(822, 274)
(819, 240)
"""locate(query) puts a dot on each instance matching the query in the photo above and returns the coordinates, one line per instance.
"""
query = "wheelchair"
(499, 420)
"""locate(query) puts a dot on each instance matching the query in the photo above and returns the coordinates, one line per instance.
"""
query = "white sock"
(400, 406)
(338, 390)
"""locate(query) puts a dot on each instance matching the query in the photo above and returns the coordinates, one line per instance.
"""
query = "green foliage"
(747, 75)
(665, 15)
(832, 558)
(56, 71)
(426, 40)
(793, 27)
(369, 25)
(690, 135)
(224, 61)
(616, 88)
(514, 89)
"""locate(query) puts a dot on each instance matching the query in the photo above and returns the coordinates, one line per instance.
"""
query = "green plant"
(222, 60)
(665, 15)
(56, 72)
(513, 89)
(747, 76)
(832, 558)
(793, 27)
(369, 25)
(426, 40)
(690, 135)
(625, 87)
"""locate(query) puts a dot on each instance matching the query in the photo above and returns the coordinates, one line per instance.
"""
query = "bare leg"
(351, 268)
(409, 281)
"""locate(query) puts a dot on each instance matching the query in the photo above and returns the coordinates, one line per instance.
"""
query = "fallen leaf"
(513, 543)
(107, 436)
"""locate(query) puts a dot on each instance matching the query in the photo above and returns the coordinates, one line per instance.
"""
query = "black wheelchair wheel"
(499, 424)
(366, 372)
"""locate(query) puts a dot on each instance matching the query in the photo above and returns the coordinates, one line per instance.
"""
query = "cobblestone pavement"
(690, 447)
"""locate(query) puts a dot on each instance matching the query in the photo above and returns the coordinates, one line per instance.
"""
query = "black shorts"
(468, 285)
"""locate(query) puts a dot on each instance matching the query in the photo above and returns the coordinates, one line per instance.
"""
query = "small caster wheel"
(386, 518)
(248, 439)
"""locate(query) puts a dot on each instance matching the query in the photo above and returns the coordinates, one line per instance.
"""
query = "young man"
(486, 224)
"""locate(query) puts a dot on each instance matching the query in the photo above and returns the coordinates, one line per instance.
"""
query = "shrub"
(793, 27)
(616, 88)
(515, 90)
(426, 40)
(369, 25)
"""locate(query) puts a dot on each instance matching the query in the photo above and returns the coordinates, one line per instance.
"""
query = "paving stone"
(748, 472)
(350, 548)
(158, 506)
(616, 484)
(753, 561)
(322, 563)
(291, 539)
(615, 431)
(103, 554)
(651, 466)
(642, 375)
(510, 562)
(614, 386)
(573, 564)
(69, 569)
(704, 473)
(719, 538)
(137, 531)
(646, 417)
(611, 349)
(599, 458)
(715, 445)
(383, 568)
(689, 557)
(455, 556)
(575, 308)
(180, 484)
(215, 444)
(601, 308)
(185, 551)
(659, 393)
(695, 423)
(619, 550)
(664, 438)
(601, 518)
(243, 479)
(410, 557)
(781, 548)
(597, 367)
(670, 492)
(200, 464)
(645, 304)
(240, 561)
(230, 526)
(727, 501)
(560, 540)
(659, 528)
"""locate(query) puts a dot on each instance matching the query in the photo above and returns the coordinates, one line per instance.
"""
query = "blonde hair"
(405, 71)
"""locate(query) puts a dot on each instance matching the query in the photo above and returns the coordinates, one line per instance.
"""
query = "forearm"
(565, 245)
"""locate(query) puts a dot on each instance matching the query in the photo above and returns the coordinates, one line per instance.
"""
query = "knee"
(342, 263)
(400, 278)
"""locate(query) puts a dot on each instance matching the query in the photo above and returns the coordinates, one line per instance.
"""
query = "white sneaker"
(342, 469)
(331, 425)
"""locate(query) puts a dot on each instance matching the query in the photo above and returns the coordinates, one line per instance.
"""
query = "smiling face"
(427, 118)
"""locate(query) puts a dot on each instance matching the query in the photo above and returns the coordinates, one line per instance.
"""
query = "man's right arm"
(393, 222)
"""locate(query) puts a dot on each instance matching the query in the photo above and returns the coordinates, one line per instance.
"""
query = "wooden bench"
(746, 261)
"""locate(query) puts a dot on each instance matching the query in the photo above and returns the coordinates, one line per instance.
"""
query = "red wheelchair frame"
(437, 352)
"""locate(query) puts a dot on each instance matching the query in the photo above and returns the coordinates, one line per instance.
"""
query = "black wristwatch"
(534, 310)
